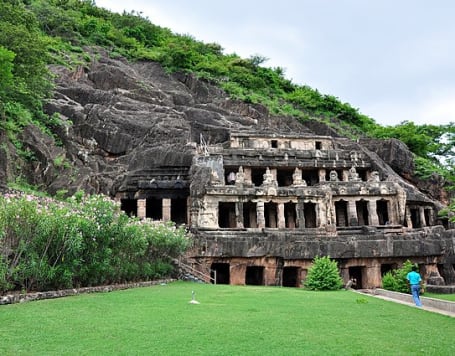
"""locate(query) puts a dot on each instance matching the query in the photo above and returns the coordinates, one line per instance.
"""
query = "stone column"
(372, 278)
(166, 209)
(247, 173)
(300, 215)
(260, 214)
(280, 212)
(408, 218)
(431, 215)
(239, 214)
(322, 174)
(141, 204)
(372, 213)
(345, 175)
(352, 213)
(269, 276)
(423, 222)
(273, 173)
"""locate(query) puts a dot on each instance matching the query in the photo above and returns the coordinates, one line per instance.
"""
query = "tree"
(323, 275)
(6, 75)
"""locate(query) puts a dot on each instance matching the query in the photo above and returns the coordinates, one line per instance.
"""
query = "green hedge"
(84, 241)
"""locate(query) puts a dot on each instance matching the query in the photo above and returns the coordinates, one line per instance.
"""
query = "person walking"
(415, 282)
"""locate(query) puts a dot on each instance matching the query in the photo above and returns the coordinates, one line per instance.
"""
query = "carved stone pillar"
(166, 209)
(372, 213)
(280, 213)
(247, 173)
(423, 221)
(239, 214)
(344, 175)
(322, 174)
(372, 278)
(300, 215)
(141, 204)
(260, 214)
(408, 218)
(352, 213)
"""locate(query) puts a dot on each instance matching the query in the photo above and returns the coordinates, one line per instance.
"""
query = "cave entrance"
(415, 217)
(383, 212)
(257, 176)
(249, 215)
(230, 174)
(129, 206)
(339, 174)
(154, 208)
(290, 277)
(226, 215)
(362, 212)
(310, 176)
(341, 210)
(178, 210)
(254, 275)
(290, 215)
(355, 273)
(220, 273)
(309, 213)
(270, 214)
(284, 177)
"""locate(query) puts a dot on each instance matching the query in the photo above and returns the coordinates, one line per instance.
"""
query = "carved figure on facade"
(353, 176)
(240, 177)
(374, 177)
(297, 178)
(231, 178)
(334, 176)
(268, 178)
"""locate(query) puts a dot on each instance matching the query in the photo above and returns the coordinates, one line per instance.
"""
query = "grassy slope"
(230, 320)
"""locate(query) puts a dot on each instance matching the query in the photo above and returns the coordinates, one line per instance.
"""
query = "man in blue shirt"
(415, 281)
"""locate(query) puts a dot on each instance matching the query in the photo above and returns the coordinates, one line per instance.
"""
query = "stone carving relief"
(334, 176)
(353, 176)
(297, 178)
(374, 177)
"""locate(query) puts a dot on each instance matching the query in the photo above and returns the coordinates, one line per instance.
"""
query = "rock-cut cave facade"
(261, 207)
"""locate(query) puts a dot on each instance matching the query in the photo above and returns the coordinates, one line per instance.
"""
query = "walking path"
(430, 304)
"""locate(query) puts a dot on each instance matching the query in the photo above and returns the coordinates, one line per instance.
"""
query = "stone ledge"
(428, 302)
(28, 297)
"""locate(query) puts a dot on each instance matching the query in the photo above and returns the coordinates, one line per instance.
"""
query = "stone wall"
(28, 297)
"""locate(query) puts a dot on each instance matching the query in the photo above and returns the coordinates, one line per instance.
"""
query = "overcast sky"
(394, 60)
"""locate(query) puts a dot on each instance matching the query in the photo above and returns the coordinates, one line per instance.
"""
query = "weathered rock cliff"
(123, 120)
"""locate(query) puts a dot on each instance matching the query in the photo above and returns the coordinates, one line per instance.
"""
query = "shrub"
(396, 280)
(323, 275)
(83, 241)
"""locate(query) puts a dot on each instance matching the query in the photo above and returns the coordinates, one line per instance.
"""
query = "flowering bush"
(86, 240)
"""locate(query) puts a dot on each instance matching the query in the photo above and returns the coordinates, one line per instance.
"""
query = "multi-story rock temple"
(261, 207)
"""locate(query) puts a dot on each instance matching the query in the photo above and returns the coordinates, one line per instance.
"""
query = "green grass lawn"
(449, 297)
(230, 320)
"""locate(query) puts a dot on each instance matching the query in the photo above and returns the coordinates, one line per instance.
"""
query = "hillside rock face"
(124, 120)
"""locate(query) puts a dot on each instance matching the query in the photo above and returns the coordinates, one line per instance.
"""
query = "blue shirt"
(413, 278)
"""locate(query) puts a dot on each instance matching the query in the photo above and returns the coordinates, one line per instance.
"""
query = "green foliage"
(395, 280)
(323, 275)
(84, 241)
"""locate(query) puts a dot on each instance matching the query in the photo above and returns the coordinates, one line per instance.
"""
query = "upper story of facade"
(257, 181)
